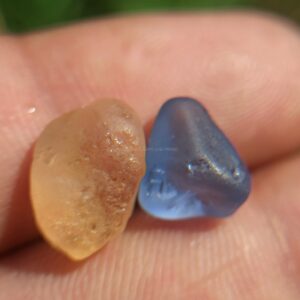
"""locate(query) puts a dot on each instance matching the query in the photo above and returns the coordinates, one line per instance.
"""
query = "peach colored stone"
(85, 173)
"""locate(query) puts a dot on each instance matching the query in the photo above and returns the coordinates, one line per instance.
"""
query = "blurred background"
(27, 15)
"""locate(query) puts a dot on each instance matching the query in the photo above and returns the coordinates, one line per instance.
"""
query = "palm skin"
(245, 68)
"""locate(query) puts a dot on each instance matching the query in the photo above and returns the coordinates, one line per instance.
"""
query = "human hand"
(245, 68)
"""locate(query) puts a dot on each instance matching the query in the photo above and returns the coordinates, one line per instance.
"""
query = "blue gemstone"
(192, 168)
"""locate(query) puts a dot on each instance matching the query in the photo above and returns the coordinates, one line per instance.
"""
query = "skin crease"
(245, 68)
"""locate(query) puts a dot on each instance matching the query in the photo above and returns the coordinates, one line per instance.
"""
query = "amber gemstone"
(86, 170)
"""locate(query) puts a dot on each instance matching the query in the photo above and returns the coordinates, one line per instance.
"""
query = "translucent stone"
(192, 169)
(86, 169)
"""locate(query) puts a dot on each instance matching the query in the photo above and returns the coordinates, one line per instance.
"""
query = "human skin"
(245, 68)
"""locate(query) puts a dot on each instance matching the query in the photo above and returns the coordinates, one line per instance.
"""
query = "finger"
(250, 88)
(253, 255)
(240, 77)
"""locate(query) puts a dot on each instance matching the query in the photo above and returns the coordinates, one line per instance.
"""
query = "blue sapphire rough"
(192, 168)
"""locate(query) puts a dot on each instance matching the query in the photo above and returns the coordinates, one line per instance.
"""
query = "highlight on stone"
(86, 169)
(192, 168)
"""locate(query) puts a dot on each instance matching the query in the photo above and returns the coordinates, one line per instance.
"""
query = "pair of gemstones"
(89, 164)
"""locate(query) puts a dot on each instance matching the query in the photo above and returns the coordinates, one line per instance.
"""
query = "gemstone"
(86, 169)
(192, 168)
